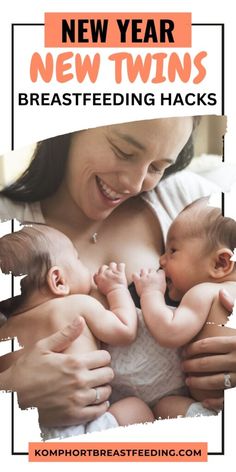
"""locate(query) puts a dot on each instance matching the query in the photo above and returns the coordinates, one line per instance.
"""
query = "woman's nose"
(134, 181)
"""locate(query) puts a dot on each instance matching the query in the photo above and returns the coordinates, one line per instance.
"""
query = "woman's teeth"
(107, 191)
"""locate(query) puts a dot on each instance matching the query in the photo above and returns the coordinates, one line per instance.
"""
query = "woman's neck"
(61, 212)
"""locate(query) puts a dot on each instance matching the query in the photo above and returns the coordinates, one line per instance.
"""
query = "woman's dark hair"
(44, 173)
(47, 168)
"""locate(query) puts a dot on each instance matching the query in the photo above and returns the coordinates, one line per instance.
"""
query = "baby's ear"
(56, 282)
(222, 264)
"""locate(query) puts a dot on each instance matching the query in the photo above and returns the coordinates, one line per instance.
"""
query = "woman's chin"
(98, 215)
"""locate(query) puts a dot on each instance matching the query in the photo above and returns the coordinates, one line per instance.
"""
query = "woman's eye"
(121, 154)
(154, 169)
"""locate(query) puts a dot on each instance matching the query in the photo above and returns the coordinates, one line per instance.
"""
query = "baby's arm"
(171, 328)
(119, 324)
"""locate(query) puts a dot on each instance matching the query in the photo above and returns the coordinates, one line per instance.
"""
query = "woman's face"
(110, 164)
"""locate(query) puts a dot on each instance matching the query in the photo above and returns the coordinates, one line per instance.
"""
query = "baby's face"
(183, 261)
(79, 276)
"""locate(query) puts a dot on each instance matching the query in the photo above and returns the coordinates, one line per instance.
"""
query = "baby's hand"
(149, 280)
(110, 277)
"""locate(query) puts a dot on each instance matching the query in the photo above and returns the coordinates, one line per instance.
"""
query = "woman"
(96, 187)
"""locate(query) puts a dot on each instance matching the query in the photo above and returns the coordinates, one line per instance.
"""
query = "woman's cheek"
(151, 182)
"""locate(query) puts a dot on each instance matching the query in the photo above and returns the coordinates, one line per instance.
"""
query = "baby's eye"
(172, 250)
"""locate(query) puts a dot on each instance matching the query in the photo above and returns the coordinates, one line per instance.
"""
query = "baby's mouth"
(168, 281)
(107, 191)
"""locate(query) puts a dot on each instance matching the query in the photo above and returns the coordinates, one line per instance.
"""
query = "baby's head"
(49, 259)
(200, 244)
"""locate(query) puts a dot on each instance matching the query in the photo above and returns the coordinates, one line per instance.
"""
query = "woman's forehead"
(151, 126)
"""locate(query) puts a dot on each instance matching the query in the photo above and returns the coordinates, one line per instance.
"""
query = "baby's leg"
(131, 410)
(172, 406)
(175, 406)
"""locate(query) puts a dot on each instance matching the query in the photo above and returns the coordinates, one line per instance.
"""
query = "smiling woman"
(103, 185)
(128, 159)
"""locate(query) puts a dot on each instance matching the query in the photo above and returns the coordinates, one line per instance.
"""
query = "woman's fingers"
(62, 339)
(99, 377)
(216, 363)
(99, 395)
(72, 415)
(96, 359)
(92, 396)
(92, 412)
(218, 345)
(211, 382)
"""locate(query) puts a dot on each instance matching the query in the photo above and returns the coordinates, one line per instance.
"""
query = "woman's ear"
(222, 264)
(56, 282)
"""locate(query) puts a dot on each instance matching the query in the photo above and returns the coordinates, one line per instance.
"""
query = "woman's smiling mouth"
(108, 192)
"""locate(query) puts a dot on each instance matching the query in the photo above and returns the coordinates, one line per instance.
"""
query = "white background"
(34, 125)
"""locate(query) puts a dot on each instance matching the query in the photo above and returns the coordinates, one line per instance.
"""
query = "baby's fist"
(149, 280)
(110, 277)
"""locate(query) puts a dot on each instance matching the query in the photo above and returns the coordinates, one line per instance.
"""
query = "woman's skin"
(106, 167)
(224, 361)
(126, 160)
(67, 379)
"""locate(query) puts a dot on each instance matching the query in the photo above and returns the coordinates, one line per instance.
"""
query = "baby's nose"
(163, 260)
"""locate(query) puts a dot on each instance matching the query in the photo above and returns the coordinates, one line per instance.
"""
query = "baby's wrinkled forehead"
(183, 230)
(178, 228)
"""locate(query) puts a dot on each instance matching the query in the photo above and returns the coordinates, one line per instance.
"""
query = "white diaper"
(197, 409)
(105, 421)
(145, 369)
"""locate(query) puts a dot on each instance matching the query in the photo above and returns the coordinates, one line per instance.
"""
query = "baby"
(56, 290)
(196, 264)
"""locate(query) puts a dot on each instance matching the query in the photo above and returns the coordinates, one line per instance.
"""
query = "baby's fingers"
(113, 266)
(102, 269)
(121, 266)
(136, 277)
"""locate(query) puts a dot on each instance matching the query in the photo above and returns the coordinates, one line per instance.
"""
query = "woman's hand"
(61, 386)
(220, 359)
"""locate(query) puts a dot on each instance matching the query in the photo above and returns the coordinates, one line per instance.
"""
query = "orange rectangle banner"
(117, 452)
(126, 30)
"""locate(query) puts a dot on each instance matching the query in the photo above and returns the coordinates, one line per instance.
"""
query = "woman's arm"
(63, 388)
(222, 360)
